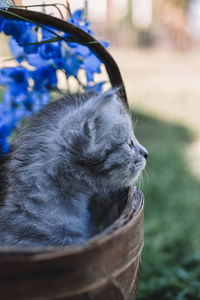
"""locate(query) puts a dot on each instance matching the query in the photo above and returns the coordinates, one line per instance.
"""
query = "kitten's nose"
(143, 151)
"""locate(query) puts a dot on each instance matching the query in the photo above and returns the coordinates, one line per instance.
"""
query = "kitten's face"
(112, 156)
(121, 157)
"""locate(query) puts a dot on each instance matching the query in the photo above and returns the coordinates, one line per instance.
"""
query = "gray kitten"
(73, 148)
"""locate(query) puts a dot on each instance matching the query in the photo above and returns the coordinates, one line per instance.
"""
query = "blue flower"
(16, 81)
(1, 23)
(16, 50)
(21, 99)
(4, 145)
(48, 54)
(5, 78)
(72, 65)
(79, 49)
(92, 65)
(44, 78)
(6, 127)
(77, 19)
(77, 16)
(46, 34)
(29, 36)
(19, 52)
(17, 76)
(105, 44)
(15, 96)
(96, 87)
(36, 60)
(52, 50)
(39, 99)
(5, 121)
(14, 28)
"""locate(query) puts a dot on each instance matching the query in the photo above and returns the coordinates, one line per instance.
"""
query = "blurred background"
(156, 44)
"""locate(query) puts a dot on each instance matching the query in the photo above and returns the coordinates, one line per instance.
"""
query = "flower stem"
(39, 5)
(13, 2)
(62, 17)
(69, 10)
(45, 5)
(86, 9)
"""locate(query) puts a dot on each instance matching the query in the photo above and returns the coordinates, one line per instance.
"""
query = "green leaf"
(69, 10)
(54, 39)
(13, 2)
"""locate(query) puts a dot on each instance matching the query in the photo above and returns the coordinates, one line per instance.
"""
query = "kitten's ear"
(96, 106)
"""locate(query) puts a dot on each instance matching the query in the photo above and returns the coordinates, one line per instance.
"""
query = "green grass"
(1, 93)
(171, 255)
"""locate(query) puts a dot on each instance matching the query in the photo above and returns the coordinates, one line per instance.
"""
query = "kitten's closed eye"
(130, 143)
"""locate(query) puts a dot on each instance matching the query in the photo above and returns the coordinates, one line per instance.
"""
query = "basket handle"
(80, 35)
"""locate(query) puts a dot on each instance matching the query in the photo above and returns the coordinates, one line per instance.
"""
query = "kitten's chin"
(132, 180)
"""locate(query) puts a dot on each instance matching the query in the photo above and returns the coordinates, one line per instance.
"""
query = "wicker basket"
(107, 267)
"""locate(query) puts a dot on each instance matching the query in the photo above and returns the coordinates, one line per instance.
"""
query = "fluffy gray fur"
(73, 148)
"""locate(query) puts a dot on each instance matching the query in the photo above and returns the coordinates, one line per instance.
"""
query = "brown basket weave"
(107, 267)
